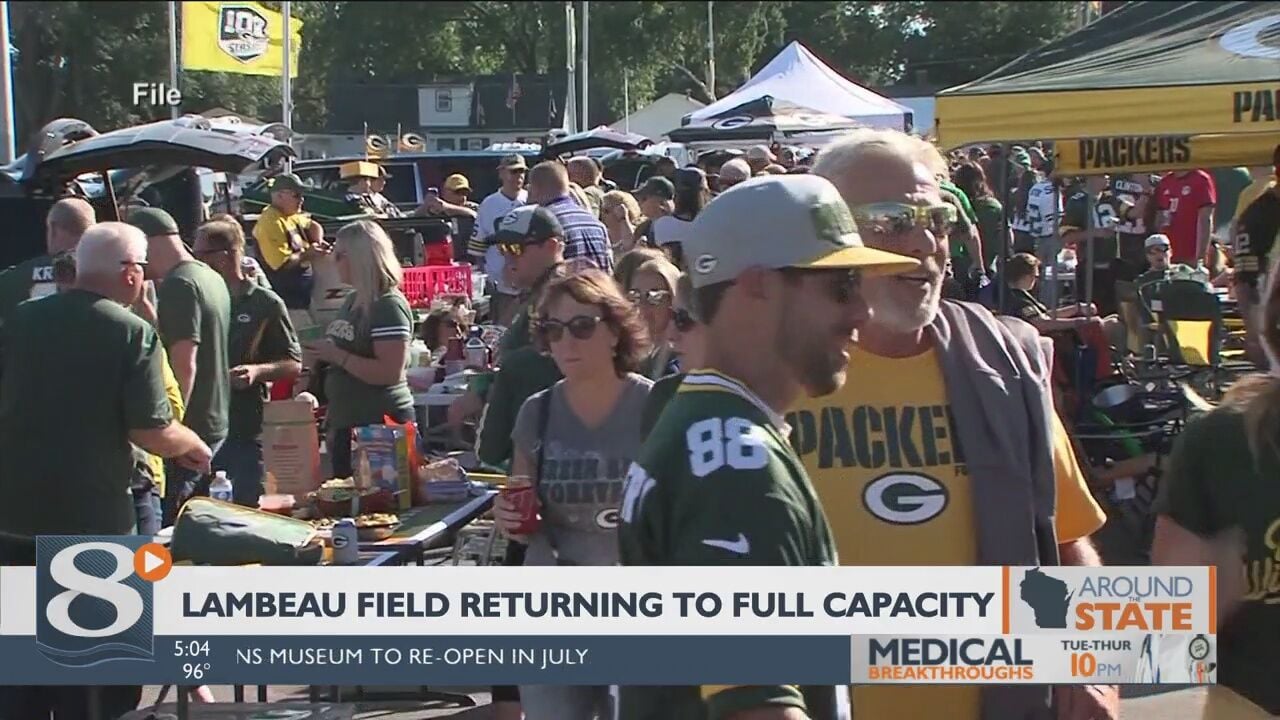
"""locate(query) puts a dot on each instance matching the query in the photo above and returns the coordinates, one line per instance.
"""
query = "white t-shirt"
(493, 209)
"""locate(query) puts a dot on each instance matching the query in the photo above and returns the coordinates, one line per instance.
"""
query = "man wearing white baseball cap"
(1160, 264)
(716, 482)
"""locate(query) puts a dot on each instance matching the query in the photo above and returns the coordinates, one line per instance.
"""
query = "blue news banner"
(101, 611)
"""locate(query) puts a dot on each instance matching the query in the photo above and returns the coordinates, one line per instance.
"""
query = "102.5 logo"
(242, 32)
(95, 608)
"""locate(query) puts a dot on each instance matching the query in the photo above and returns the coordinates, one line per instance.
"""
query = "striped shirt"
(584, 235)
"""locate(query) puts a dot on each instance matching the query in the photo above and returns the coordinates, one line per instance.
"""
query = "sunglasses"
(843, 285)
(581, 327)
(652, 298)
(683, 319)
(893, 218)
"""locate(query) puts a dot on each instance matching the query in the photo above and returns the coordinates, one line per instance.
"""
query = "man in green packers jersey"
(66, 222)
(775, 264)
(262, 347)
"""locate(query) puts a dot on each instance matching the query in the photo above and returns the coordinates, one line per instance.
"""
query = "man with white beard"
(943, 448)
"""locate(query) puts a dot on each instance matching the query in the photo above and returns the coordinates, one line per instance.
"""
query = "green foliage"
(79, 59)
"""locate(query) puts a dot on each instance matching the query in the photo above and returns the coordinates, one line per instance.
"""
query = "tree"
(954, 43)
(79, 59)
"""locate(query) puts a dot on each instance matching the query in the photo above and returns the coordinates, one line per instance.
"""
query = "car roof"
(408, 157)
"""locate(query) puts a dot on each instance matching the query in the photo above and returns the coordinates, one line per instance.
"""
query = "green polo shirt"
(192, 303)
(80, 372)
(261, 332)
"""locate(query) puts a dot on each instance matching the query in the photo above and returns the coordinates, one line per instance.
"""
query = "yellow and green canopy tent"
(1151, 86)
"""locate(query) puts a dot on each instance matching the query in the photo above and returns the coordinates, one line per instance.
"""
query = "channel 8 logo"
(94, 607)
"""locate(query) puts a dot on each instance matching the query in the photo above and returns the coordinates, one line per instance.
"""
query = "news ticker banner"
(104, 610)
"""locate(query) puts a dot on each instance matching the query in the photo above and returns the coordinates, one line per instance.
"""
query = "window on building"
(444, 101)
(477, 143)
(445, 144)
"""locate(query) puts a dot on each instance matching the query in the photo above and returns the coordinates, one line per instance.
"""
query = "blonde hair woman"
(1219, 504)
(366, 347)
(620, 214)
(652, 288)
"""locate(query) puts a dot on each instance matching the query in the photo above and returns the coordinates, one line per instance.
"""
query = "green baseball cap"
(287, 181)
(153, 222)
(781, 221)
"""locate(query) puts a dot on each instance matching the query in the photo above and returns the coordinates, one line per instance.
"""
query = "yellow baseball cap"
(456, 182)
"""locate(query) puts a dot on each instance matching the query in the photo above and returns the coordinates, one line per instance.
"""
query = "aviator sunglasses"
(652, 298)
(893, 218)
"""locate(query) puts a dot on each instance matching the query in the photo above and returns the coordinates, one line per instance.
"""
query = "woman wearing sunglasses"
(653, 290)
(685, 333)
(366, 347)
(575, 441)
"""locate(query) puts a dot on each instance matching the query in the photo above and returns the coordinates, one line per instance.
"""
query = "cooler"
(421, 285)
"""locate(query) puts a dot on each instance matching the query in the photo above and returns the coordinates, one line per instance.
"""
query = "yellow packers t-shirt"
(882, 455)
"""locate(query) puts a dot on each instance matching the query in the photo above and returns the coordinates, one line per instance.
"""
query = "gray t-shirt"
(583, 470)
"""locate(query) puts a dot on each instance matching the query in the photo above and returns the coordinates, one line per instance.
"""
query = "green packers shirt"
(716, 483)
(352, 401)
(192, 303)
(27, 280)
(80, 372)
(261, 332)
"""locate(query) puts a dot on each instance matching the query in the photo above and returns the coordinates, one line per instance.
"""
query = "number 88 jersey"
(717, 483)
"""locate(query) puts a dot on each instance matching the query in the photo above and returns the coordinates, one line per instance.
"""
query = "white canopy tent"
(796, 75)
(660, 117)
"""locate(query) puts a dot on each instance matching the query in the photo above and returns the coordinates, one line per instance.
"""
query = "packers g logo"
(905, 498)
(608, 519)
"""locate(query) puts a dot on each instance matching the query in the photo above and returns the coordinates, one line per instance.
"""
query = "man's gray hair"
(71, 215)
(735, 171)
(836, 159)
(105, 248)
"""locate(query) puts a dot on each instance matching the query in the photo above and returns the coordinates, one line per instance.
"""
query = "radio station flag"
(243, 38)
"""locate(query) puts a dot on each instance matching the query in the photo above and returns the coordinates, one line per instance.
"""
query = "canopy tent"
(657, 118)
(1151, 85)
(760, 119)
(797, 77)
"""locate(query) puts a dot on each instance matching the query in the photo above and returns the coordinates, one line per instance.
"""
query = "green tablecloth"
(415, 520)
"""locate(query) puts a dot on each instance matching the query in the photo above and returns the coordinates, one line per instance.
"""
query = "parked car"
(146, 164)
(411, 175)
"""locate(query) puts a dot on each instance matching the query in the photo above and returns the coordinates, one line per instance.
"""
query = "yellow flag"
(239, 37)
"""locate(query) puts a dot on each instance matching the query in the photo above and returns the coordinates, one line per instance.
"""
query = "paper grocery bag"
(327, 290)
(291, 448)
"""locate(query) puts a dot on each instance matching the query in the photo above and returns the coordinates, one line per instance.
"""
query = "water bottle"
(346, 542)
(220, 488)
(477, 353)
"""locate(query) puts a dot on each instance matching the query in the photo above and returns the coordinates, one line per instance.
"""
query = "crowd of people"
(771, 359)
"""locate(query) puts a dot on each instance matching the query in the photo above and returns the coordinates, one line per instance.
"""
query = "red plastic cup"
(525, 500)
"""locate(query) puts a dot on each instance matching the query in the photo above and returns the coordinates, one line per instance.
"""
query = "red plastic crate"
(422, 284)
